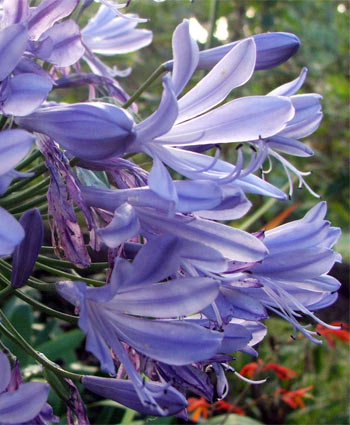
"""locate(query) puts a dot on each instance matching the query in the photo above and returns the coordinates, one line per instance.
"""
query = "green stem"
(32, 157)
(11, 332)
(25, 194)
(32, 281)
(9, 290)
(70, 276)
(50, 311)
(128, 417)
(212, 22)
(29, 300)
(68, 265)
(24, 207)
(159, 71)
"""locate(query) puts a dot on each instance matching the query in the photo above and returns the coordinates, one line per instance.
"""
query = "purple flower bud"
(27, 251)
(87, 130)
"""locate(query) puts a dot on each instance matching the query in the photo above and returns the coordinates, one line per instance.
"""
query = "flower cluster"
(183, 291)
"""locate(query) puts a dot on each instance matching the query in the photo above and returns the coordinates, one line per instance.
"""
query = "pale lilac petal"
(233, 243)
(123, 44)
(6, 179)
(14, 146)
(47, 13)
(186, 54)
(289, 146)
(108, 34)
(24, 404)
(191, 164)
(232, 71)
(292, 87)
(5, 372)
(61, 44)
(15, 11)
(307, 263)
(162, 120)
(202, 256)
(13, 41)
(124, 226)
(11, 233)
(165, 300)
(244, 306)
(26, 92)
(243, 119)
(160, 181)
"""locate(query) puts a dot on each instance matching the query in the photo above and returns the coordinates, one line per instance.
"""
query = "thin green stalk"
(9, 290)
(57, 272)
(158, 72)
(9, 201)
(10, 331)
(128, 417)
(212, 21)
(29, 300)
(30, 158)
(50, 311)
(68, 265)
(32, 281)
(31, 204)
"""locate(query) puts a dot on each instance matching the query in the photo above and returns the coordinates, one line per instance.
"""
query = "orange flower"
(199, 407)
(223, 405)
(295, 398)
(249, 369)
(282, 372)
(341, 334)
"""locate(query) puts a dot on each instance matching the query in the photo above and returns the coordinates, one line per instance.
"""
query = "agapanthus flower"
(107, 34)
(292, 279)
(22, 404)
(115, 314)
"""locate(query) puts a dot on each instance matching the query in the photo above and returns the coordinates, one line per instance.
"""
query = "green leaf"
(21, 316)
(232, 419)
(63, 347)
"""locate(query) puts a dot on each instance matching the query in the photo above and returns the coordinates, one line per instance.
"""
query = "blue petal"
(186, 54)
(61, 45)
(15, 11)
(290, 88)
(13, 41)
(124, 226)
(160, 181)
(232, 243)
(171, 342)
(173, 298)
(24, 404)
(14, 146)
(123, 391)
(232, 71)
(47, 13)
(162, 120)
(26, 92)
(243, 119)
(5, 372)
(11, 233)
